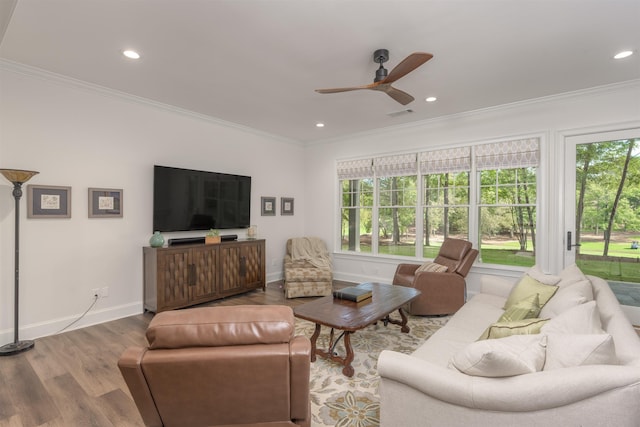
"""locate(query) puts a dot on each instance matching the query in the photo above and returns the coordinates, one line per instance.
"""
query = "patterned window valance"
(355, 169)
(449, 160)
(403, 164)
(508, 154)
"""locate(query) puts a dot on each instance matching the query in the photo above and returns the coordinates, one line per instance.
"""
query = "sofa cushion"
(568, 297)
(546, 279)
(570, 275)
(566, 350)
(505, 357)
(517, 327)
(433, 267)
(528, 286)
(582, 319)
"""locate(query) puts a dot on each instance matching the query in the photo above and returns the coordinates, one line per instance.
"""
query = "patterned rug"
(337, 400)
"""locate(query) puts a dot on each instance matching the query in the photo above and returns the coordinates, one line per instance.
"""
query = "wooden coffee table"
(349, 317)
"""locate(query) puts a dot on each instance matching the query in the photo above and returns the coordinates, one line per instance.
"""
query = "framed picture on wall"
(48, 201)
(268, 206)
(286, 205)
(105, 203)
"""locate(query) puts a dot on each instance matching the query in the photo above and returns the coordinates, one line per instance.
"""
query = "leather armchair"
(442, 293)
(221, 366)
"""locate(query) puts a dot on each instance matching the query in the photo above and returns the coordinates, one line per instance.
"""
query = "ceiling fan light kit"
(382, 81)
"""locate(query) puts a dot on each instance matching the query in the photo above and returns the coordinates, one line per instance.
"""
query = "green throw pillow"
(525, 309)
(519, 327)
(528, 286)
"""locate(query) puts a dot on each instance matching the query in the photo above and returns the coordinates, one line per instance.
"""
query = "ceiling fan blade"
(346, 89)
(407, 65)
(402, 97)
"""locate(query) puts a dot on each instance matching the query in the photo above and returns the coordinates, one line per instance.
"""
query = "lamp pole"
(17, 177)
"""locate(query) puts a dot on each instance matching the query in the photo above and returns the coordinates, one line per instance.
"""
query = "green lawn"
(508, 253)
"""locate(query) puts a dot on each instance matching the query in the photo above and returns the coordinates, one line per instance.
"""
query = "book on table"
(353, 293)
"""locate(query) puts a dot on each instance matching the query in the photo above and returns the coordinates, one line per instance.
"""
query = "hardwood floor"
(72, 379)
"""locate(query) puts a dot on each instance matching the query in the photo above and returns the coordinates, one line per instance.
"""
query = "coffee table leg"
(403, 326)
(348, 369)
(403, 323)
(314, 338)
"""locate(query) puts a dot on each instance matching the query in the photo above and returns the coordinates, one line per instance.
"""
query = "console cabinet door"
(204, 279)
(230, 280)
(252, 262)
(173, 274)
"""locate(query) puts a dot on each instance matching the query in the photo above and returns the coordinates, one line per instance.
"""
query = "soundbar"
(186, 241)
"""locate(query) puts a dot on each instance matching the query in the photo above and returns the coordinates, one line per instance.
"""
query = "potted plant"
(212, 237)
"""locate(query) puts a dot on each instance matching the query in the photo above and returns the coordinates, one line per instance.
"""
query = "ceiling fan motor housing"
(380, 56)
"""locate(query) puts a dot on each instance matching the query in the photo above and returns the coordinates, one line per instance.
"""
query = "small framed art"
(268, 206)
(105, 203)
(286, 205)
(48, 201)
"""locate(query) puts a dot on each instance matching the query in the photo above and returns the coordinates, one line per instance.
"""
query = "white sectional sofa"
(427, 388)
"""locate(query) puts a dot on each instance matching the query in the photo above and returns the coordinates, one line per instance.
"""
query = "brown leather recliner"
(442, 293)
(221, 366)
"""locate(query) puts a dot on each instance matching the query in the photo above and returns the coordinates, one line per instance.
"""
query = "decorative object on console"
(105, 203)
(252, 232)
(212, 237)
(157, 240)
(17, 177)
(268, 206)
(48, 201)
(286, 205)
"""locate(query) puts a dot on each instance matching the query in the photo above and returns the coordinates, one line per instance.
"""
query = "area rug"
(337, 400)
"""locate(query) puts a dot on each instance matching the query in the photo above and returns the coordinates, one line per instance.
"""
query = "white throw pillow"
(432, 266)
(504, 357)
(582, 319)
(570, 275)
(564, 351)
(540, 276)
(567, 297)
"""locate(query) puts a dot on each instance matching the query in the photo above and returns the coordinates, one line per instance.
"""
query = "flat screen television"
(185, 199)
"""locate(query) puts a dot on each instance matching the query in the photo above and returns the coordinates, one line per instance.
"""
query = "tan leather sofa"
(221, 366)
(442, 293)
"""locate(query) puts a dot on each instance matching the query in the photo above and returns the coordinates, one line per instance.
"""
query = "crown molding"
(39, 73)
(628, 84)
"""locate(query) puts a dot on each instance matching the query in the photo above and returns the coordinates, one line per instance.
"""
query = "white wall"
(79, 136)
(603, 108)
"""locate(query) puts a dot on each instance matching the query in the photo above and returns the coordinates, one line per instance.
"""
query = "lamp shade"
(18, 175)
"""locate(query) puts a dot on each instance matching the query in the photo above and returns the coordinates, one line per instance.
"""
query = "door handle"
(569, 245)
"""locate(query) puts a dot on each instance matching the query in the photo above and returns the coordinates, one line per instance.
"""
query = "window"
(486, 194)
(445, 210)
(356, 204)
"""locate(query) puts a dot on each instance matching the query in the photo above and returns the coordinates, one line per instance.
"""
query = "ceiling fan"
(383, 80)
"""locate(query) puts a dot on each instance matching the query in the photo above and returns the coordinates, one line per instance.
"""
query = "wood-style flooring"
(72, 379)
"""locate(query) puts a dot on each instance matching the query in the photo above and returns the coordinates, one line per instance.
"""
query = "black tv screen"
(185, 199)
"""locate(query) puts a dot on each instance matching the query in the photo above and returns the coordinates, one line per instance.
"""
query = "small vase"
(157, 240)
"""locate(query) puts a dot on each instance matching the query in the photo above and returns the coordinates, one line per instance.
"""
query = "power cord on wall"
(95, 300)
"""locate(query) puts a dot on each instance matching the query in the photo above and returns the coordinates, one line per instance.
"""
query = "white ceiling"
(256, 63)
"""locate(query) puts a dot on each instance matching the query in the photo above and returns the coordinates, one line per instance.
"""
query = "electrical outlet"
(95, 292)
(104, 292)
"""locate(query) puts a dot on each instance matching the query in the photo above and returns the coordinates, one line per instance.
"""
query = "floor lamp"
(17, 177)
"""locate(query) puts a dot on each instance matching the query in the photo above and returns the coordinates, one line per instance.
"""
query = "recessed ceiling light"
(319, 125)
(131, 54)
(431, 99)
(623, 54)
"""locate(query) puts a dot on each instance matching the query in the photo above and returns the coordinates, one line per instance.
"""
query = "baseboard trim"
(52, 327)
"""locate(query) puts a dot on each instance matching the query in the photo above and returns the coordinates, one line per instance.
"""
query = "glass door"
(602, 206)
